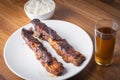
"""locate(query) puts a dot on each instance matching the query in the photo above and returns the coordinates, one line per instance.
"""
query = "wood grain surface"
(84, 13)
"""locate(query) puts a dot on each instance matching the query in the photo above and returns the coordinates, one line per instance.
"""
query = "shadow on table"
(62, 13)
(1, 77)
(113, 3)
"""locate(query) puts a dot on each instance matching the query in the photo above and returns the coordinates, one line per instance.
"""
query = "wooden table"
(83, 13)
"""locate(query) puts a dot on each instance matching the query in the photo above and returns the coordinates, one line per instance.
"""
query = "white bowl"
(41, 17)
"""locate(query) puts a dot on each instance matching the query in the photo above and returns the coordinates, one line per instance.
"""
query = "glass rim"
(107, 34)
(96, 29)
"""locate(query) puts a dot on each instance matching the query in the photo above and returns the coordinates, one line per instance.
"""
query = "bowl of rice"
(40, 9)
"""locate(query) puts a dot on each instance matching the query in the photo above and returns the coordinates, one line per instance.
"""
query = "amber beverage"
(105, 36)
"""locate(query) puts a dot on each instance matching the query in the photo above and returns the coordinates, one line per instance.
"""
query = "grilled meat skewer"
(50, 63)
(62, 47)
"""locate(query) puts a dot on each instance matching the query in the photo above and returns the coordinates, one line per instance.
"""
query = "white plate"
(21, 60)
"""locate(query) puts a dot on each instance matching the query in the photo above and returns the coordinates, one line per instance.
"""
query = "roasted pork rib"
(62, 47)
(50, 63)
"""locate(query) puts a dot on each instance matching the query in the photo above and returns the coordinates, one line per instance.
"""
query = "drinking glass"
(105, 36)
